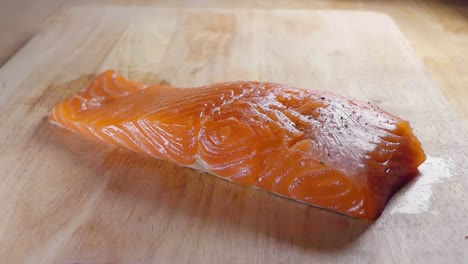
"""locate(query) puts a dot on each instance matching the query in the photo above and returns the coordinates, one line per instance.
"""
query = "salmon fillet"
(310, 146)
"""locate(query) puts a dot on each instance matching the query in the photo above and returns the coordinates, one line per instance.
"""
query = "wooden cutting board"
(65, 199)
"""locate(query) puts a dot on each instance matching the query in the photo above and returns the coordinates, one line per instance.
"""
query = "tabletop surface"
(64, 199)
(436, 30)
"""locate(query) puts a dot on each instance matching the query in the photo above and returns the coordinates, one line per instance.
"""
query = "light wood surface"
(64, 199)
(436, 30)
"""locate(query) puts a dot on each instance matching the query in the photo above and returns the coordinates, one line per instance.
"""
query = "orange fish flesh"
(310, 146)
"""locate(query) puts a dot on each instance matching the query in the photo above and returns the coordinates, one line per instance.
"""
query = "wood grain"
(437, 30)
(65, 199)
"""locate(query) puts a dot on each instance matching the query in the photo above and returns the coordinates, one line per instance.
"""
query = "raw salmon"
(311, 146)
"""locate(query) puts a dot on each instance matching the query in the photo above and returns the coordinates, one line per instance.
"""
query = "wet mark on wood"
(196, 70)
(56, 92)
(165, 82)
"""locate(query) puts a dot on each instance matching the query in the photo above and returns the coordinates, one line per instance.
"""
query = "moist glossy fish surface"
(310, 146)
